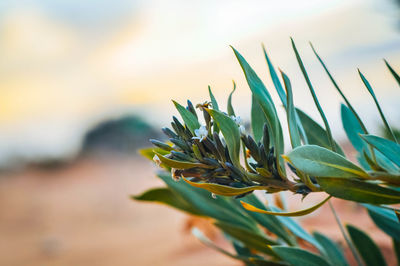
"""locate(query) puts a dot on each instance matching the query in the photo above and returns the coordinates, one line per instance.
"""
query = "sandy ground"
(81, 214)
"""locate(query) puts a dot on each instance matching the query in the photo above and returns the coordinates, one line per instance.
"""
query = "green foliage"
(367, 248)
(209, 179)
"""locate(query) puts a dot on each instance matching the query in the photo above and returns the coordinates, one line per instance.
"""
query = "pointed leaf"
(224, 190)
(332, 251)
(316, 102)
(251, 239)
(231, 134)
(252, 208)
(257, 119)
(360, 191)
(388, 148)
(265, 101)
(168, 197)
(270, 222)
(385, 219)
(367, 248)
(230, 107)
(221, 209)
(295, 228)
(150, 152)
(291, 114)
(190, 119)
(275, 79)
(371, 91)
(178, 164)
(320, 162)
(394, 74)
(213, 100)
(315, 133)
(299, 257)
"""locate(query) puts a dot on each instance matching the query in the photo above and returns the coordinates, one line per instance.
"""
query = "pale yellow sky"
(60, 72)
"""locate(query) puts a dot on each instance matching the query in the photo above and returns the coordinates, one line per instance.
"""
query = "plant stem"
(346, 238)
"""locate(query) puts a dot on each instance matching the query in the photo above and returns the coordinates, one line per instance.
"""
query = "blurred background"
(83, 84)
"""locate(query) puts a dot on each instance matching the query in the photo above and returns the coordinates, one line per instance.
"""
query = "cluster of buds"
(206, 149)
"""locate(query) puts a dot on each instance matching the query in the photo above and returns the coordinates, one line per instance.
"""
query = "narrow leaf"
(339, 90)
(371, 91)
(367, 248)
(295, 228)
(299, 257)
(190, 119)
(168, 197)
(385, 219)
(388, 148)
(275, 79)
(394, 74)
(221, 209)
(257, 241)
(231, 134)
(321, 112)
(252, 208)
(265, 101)
(213, 100)
(150, 152)
(270, 222)
(332, 251)
(291, 114)
(224, 190)
(230, 107)
(257, 119)
(360, 191)
(178, 164)
(315, 133)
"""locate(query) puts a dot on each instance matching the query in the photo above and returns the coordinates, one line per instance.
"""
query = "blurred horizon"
(66, 66)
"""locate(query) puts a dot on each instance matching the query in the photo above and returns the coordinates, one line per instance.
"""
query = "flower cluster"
(203, 155)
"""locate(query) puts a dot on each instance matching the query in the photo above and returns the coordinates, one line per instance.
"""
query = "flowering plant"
(221, 157)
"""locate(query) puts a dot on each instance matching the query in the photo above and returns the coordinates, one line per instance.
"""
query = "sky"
(66, 65)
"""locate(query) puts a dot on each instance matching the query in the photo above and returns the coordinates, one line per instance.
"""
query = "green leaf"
(332, 251)
(252, 208)
(352, 128)
(360, 191)
(388, 148)
(367, 248)
(295, 228)
(339, 90)
(275, 79)
(190, 119)
(168, 197)
(251, 239)
(178, 164)
(265, 101)
(224, 190)
(321, 162)
(394, 74)
(150, 152)
(315, 133)
(316, 102)
(291, 114)
(270, 222)
(299, 257)
(258, 119)
(206, 241)
(231, 134)
(396, 248)
(230, 107)
(385, 219)
(221, 209)
(213, 100)
(371, 91)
